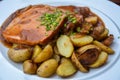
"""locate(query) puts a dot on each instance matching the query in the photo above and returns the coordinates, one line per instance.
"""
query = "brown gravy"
(3, 41)
(79, 10)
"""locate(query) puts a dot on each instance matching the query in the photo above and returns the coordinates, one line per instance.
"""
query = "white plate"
(109, 13)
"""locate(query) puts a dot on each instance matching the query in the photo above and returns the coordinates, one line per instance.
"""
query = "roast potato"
(78, 64)
(47, 68)
(36, 51)
(19, 55)
(45, 54)
(14, 45)
(81, 50)
(102, 59)
(66, 68)
(104, 47)
(104, 34)
(29, 67)
(65, 46)
(91, 19)
(81, 40)
(88, 54)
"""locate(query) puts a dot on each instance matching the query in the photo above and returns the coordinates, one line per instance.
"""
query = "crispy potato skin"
(91, 19)
(104, 47)
(19, 55)
(102, 59)
(109, 40)
(81, 41)
(44, 55)
(104, 34)
(65, 46)
(47, 68)
(36, 51)
(78, 64)
(66, 68)
(81, 50)
(29, 67)
(88, 54)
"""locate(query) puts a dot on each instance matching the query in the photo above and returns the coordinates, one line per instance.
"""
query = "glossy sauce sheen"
(21, 26)
(25, 29)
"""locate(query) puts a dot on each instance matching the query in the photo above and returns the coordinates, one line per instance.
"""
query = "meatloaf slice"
(26, 26)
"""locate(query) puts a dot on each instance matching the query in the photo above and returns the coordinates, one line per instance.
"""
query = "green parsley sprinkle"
(50, 20)
(47, 27)
(65, 25)
(78, 29)
(71, 18)
(74, 21)
(72, 33)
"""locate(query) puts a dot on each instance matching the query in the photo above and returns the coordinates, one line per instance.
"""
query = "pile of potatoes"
(61, 58)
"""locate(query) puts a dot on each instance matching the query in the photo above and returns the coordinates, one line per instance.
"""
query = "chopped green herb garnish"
(74, 21)
(48, 27)
(78, 29)
(71, 18)
(72, 33)
(68, 12)
(65, 25)
(50, 20)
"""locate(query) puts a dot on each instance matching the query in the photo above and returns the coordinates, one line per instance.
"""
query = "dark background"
(116, 1)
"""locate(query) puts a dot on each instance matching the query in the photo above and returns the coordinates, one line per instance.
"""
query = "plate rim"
(66, 0)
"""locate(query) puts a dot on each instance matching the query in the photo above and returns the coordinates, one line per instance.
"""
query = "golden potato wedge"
(29, 67)
(36, 51)
(91, 19)
(78, 64)
(63, 59)
(47, 68)
(65, 46)
(14, 45)
(66, 68)
(82, 40)
(104, 34)
(81, 50)
(45, 54)
(102, 59)
(103, 47)
(88, 54)
(19, 55)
